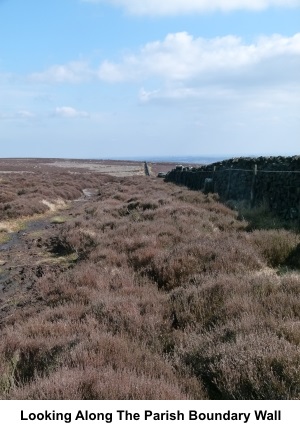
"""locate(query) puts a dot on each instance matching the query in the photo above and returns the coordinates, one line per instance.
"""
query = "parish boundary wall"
(272, 181)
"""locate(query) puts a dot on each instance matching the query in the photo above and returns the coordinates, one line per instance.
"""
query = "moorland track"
(22, 263)
(25, 257)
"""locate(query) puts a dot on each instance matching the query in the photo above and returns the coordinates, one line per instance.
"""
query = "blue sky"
(125, 78)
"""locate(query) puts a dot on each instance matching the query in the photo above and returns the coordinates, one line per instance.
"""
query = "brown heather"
(164, 294)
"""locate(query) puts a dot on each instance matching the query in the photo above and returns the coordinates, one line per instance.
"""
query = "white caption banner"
(161, 414)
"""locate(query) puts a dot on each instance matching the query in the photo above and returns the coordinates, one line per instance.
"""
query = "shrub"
(275, 245)
(158, 289)
(258, 365)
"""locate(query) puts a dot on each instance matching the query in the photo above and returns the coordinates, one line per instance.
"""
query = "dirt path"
(21, 262)
(24, 257)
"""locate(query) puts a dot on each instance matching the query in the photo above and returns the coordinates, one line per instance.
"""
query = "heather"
(145, 290)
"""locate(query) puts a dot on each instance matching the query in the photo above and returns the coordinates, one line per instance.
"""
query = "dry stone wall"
(272, 181)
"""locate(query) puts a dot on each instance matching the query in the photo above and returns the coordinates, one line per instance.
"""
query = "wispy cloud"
(174, 7)
(110, 72)
(26, 114)
(73, 73)
(69, 112)
(179, 94)
(19, 115)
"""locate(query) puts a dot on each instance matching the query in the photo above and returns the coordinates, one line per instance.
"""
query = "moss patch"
(58, 219)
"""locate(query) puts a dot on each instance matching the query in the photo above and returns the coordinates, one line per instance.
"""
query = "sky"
(142, 78)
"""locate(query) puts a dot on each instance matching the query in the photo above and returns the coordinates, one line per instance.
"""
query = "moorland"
(117, 285)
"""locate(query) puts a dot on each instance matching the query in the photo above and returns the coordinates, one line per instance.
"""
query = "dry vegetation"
(145, 291)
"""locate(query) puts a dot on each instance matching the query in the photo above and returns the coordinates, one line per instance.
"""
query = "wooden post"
(252, 193)
(213, 178)
(229, 183)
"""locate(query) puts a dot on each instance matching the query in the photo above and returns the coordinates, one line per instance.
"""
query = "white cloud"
(25, 114)
(182, 67)
(179, 94)
(173, 7)
(181, 57)
(221, 74)
(19, 115)
(73, 72)
(69, 112)
(110, 72)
